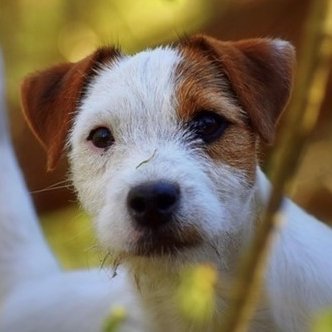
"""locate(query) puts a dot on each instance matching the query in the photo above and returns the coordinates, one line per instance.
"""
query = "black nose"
(152, 204)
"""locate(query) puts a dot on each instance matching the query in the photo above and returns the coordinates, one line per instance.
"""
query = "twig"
(147, 160)
(303, 112)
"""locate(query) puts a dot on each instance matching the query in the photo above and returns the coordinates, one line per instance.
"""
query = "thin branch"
(303, 112)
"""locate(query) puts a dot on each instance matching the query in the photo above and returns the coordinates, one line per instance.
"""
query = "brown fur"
(259, 76)
(246, 82)
(50, 99)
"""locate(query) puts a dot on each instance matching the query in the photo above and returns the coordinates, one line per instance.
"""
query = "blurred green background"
(38, 33)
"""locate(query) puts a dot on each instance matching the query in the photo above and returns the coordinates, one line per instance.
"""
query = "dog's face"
(162, 144)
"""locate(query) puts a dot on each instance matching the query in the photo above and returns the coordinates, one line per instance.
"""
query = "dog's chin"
(164, 242)
(159, 248)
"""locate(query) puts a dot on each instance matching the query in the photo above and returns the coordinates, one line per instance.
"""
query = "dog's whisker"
(214, 247)
(55, 186)
(103, 261)
(93, 247)
(49, 189)
(137, 282)
(60, 182)
(116, 264)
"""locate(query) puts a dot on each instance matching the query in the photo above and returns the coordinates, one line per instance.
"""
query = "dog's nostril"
(165, 200)
(137, 204)
(153, 203)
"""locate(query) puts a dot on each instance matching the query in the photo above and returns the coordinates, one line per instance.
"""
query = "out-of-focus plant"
(323, 322)
(45, 32)
(196, 294)
(314, 67)
(114, 321)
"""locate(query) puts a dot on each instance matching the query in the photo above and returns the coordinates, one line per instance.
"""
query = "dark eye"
(208, 126)
(101, 137)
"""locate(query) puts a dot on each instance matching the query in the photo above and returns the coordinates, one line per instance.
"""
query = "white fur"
(280, 45)
(35, 293)
(299, 274)
(136, 98)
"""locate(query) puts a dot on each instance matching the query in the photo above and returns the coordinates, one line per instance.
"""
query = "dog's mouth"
(166, 241)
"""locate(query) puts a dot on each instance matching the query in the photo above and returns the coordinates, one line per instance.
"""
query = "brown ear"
(50, 99)
(260, 73)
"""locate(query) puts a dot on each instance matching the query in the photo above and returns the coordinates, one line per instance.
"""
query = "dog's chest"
(162, 306)
(166, 318)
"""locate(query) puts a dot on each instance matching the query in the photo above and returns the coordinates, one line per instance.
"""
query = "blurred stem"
(314, 67)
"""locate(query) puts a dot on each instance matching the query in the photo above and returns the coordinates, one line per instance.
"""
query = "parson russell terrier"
(162, 147)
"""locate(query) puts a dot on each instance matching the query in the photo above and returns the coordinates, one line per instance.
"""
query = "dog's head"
(162, 144)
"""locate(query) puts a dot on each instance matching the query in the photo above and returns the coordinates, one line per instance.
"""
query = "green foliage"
(69, 233)
(323, 322)
(115, 319)
(50, 31)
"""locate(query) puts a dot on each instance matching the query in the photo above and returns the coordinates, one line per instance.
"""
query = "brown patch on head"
(247, 82)
(50, 99)
(202, 86)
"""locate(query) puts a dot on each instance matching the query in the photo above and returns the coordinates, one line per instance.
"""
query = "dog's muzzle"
(154, 207)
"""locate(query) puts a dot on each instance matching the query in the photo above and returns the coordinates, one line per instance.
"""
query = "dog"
(162, 148)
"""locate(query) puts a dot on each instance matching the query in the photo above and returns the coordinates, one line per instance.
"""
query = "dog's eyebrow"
(193, 97)
(202, 86)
